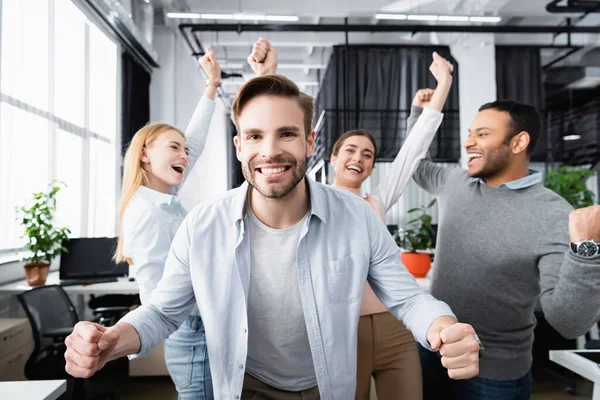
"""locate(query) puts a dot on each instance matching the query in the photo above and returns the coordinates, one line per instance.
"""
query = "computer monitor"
(90, 258)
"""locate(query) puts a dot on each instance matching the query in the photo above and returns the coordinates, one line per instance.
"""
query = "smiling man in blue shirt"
(277, 268)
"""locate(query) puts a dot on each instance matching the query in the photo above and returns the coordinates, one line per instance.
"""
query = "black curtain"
(519, 77)
(135, 104)
(372, 88)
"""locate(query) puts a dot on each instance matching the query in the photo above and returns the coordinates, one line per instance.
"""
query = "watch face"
(587, 249)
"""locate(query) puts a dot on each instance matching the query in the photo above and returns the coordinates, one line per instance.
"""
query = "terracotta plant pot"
(36, 274)
(417, 264)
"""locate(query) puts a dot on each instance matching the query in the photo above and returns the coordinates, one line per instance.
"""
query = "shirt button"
(245, 330)
(236, 397)
(240, 366)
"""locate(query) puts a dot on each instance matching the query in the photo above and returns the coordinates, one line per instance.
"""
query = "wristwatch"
(210, 82)
(587, 249)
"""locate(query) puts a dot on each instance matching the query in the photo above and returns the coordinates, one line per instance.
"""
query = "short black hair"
(524, 118)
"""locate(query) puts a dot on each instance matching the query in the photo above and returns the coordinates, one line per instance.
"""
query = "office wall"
(175, 89)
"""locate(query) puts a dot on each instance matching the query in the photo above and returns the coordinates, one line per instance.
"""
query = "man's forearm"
(129, 342)
(571, 307)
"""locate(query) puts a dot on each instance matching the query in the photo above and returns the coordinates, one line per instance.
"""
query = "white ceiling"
(306, 53)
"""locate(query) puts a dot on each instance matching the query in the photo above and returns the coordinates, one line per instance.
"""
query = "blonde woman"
(156, 164)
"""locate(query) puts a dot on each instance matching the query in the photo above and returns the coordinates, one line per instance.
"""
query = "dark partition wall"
(372, 88)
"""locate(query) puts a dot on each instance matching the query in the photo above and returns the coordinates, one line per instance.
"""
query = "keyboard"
(75, 282)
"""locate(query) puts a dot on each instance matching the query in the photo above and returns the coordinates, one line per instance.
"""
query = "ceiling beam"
(499, 29)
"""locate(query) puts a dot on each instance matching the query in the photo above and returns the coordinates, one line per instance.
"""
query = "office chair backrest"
(48, 308)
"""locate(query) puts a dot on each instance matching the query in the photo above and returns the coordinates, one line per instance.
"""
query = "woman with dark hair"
(387, 351)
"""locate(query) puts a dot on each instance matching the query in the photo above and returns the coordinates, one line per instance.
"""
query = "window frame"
(55, 123)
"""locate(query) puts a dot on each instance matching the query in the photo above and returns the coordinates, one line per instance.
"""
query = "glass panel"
(69, 61)
(102, 198)
(23, 167)
(68, 170)
(24, 61)
(103, 84)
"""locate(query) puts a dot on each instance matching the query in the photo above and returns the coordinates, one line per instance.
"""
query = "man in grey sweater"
(504, 241)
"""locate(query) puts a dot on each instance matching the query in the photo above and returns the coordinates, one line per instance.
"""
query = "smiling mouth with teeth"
(273, 171)
(355, 169)
(178, 168)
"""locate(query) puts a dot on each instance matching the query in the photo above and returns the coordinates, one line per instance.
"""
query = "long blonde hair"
(134, 174)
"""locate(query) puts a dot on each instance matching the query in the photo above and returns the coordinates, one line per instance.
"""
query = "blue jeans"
(437, 384)
(186, 356)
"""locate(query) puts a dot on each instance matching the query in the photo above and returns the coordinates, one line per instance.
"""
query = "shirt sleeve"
(570, 285)
(172, 300)
(412, 151)
(396, 287)
(147, 242)
(196, 134)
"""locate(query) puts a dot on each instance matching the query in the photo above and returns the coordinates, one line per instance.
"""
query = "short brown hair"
(356, 132)
(272, 85)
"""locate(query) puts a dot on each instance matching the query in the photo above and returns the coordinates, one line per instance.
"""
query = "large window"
(58, 116)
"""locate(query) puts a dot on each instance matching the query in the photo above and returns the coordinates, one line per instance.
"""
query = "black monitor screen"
(91, 258)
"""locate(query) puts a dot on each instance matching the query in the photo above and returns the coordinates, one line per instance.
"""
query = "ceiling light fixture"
(442, 18)
(485, 19)
(422, 18)
(391, 16)
(216, 16)
(571, 137)
(183, 15)
(251, 17)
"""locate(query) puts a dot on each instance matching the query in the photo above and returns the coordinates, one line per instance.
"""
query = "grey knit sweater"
(498, 251)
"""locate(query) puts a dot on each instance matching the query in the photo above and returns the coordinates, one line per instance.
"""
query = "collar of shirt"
(156, 197)
(317, 207)
(533, 178)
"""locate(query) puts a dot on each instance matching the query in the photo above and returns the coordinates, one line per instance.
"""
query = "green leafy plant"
(418, 234)
(569, 182)
(45, 241)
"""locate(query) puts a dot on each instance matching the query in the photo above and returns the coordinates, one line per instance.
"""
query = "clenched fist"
(441, 69)
(263, 58)
(89, 348)
(584, 224)
(458, 346)
(211, 66)
(423, 97)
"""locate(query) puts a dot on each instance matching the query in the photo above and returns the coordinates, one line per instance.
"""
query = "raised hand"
(211, 67)
(263, 58)
(441, 69)
(423, 97)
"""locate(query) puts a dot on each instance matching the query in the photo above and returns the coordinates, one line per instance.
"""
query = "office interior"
(78, 78)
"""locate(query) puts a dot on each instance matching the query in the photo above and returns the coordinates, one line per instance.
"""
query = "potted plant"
(45, 241)
(569, 182)
(416, 238)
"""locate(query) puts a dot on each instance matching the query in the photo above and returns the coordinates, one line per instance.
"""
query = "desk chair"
(52, 317)
(110, 308)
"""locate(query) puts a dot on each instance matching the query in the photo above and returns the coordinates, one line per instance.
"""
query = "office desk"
(33, 390)
(580, 365)
(122, 286)
(151, 365)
